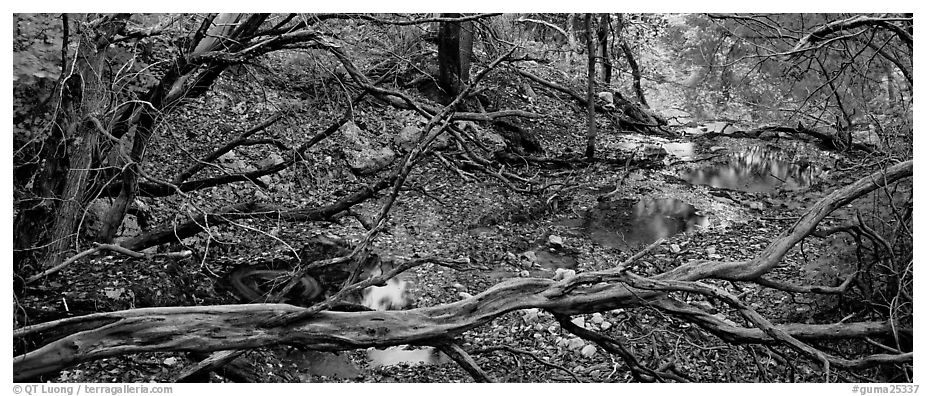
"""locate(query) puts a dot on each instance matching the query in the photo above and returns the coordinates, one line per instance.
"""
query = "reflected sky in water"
(405, 355)
(758, 169)
(626, 224)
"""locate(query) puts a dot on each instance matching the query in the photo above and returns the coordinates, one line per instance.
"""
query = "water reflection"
(759, 169)
(681, 150)
(403, 355)
(626, 224)
(394, 295)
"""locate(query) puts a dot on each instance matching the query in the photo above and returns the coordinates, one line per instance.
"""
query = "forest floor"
(506, 234)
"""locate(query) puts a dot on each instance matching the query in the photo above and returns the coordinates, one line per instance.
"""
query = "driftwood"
(213, 328)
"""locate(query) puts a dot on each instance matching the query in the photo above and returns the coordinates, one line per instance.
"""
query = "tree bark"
(214, 328)
(80, 161)
(632, 62)
(592, 132)
(89, 95)
(454, 53)
(228, 33)
(571, 38)
(604, 30)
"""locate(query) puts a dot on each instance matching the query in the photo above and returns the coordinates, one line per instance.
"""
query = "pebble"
(555, 241)
(464, 295)
(562, 273)
(458, 286)
(605, 325)
(578, 321)
(710, 250)
(529, 257)
(589, 351)
(531, 315)
(575, 343)
(675, 248)
(597, 318)
(524, 274)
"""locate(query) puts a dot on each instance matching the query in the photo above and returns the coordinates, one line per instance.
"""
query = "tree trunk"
(604, 30)
(571, 38)
(454, 52)
(592, 133)
(889, 72)
(631, 60)
(224, 33)
(89, 95)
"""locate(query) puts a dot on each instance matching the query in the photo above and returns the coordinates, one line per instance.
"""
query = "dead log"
(213, 328)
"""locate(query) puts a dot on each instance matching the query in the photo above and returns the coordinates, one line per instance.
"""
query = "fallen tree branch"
(532, 355)
(792, 288)
(611, 345)
(207, 365)
(249, 326)
(238, 141)
(736, 334)
(100, 247)
(252, 209)
(762, 323)
(458, 355)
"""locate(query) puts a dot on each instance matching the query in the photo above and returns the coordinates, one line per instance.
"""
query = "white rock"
(464, 295)
(605, 325)
(710, 250)
(524, 274)
(529, 257)
(575, 343)
(170, 361)
(458, 286)
(578, 321)
(271, 160)
(562, 273)
(675, 248)
(589, 351)
(530, 315)
(867, 137)
(369, 160)
(597, 318)
(555, 241)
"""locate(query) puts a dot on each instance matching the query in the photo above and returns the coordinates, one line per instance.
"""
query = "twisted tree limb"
(214, 328)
